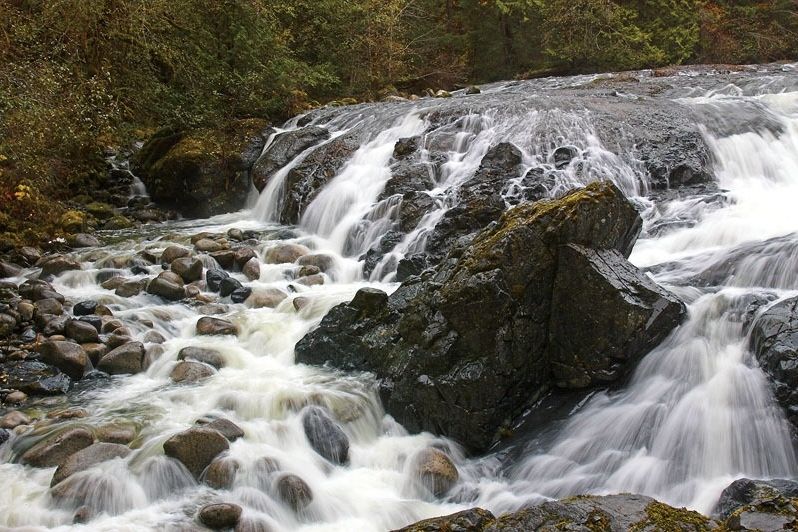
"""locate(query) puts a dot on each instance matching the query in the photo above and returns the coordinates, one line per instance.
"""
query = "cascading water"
(696, 414)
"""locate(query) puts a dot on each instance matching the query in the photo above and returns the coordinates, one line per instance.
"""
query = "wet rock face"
(203, 172)
(618, 316)
(304, 182)
(283, 149)
(466, 347)
(774, 341)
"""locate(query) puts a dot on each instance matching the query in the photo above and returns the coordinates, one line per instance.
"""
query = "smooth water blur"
(697, 413)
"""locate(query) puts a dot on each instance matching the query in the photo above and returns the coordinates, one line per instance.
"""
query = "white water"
(697, 413)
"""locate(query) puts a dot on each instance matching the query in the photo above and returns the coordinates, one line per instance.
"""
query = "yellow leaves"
(22, 192)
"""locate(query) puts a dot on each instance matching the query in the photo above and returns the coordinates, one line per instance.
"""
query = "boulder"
(211, 357)
(81, 331)
(48, 305)
(188, 371)
(228, 285)
(5, 435)
(125, 359)
(219, 516)
(605, 315)
(322, 261)
(188, 268)
(69, 357)
(468, 346)
(57, 447)
(211, 326)
(87, 458)
(172, 253)
(83, 240)
(14, 419)
(58, 264)
(305, 180)
(251, 269)
(214, 278)
(240, 295)
(120, 433)
(265, 297)
(8, 269)
(774, 341)
(226, 258)
(84, 308)
(294, 491)
(436, 471)
(243, 255)
(167, 288)
(746, 492)
(201, 172)
(284, 253)
(229, 430)
(7, 325)
(206, 245)
(325, 436)
(196, 448)
(221, 473)
(283, 149)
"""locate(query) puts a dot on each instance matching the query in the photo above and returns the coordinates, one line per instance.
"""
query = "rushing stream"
(696, 414)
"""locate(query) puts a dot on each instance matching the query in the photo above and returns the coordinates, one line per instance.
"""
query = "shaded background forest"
(79, 75)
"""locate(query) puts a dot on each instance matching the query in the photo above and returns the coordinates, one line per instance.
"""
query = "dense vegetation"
(79, 75)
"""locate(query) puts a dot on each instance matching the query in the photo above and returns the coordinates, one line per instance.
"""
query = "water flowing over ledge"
(696, 414)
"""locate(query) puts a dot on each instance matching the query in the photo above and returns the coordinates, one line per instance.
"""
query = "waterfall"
(696, 414)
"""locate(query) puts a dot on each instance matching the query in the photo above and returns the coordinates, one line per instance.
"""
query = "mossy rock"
(73, 221)
(201, 172)
(101, 211)
(118, 222)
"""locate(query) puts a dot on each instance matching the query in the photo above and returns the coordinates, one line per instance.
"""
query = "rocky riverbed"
(520, 305)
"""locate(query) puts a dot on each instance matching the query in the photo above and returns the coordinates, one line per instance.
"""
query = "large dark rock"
(467, 347)
(605, 315)
(325, 436)
(283, 149)
(774, 341)
(201, 172)
(196, 448)
(304, 182)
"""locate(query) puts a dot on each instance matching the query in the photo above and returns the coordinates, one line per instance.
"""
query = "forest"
(79, 76)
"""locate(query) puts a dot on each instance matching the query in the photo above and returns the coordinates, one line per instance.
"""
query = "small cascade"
(696, 414)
